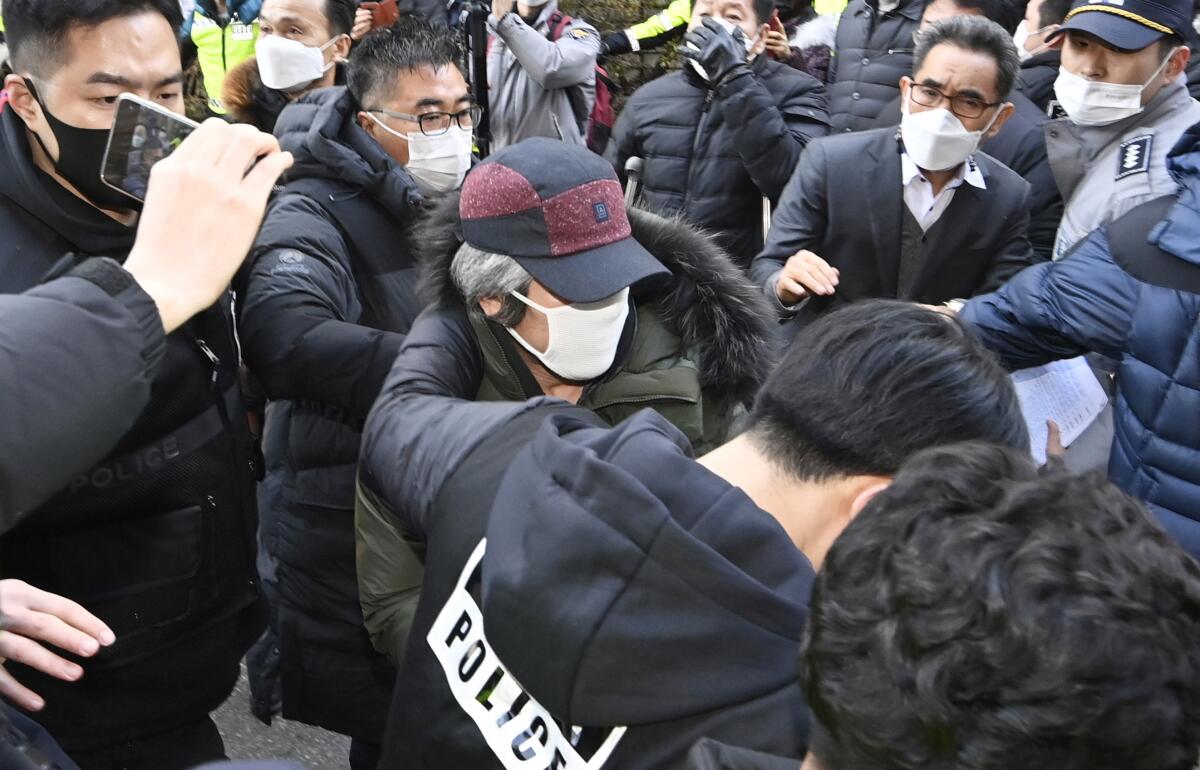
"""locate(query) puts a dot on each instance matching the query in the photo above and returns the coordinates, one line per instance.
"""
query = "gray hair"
(973, 33)
(479, 274)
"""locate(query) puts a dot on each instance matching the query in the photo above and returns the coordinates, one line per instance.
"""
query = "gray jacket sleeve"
(77, 356)
(568, 61)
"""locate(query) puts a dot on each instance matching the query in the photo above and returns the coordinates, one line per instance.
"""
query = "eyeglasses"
(438, 123)
(961, 105)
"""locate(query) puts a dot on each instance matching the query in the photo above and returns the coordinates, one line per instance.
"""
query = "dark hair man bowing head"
(158, 539)
(915, 214)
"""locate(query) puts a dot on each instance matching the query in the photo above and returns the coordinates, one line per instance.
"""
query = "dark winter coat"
(326, 299)
(871, 54)
(158, 539)
(710, 156)
(1037, 76)
(1020, 144)
(624, 587)
(1132, 294)
(694, 351)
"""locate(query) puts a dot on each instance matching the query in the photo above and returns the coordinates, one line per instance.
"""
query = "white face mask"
(438, 163)
(1021, 39)
(289, 65)
(729, 27)
(1096, 103)
(583, 336)
(936, 140)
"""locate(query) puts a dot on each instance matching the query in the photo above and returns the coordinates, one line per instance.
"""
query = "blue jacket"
(1139, 306)
(246, 10)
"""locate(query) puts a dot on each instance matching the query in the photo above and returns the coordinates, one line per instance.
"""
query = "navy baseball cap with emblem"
(1129, 25)
(559, 211)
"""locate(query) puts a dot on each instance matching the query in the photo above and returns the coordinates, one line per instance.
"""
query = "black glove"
(615, 43)
(722, 55)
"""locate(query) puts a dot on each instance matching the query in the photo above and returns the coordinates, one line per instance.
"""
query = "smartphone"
(142, 134)
(384, 13)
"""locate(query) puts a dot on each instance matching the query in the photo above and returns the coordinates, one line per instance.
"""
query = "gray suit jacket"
(845, 203)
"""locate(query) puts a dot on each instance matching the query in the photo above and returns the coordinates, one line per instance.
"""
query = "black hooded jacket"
(633, 601)
(158, 539)
(326, 299)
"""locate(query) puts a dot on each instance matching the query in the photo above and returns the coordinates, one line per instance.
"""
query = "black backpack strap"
(1128, 237)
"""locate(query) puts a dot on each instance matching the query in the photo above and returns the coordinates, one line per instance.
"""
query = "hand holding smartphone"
(143, 133)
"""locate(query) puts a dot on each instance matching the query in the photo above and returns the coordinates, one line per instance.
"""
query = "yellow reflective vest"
(220, 49)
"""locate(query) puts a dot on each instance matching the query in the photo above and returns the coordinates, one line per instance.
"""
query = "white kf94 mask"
(583, 336)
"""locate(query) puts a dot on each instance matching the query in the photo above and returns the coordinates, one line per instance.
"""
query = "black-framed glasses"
(961, 105)
(438, 123)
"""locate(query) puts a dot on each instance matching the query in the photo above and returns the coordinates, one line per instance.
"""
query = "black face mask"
(80, 154)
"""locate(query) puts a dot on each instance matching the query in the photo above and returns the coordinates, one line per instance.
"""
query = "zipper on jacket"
(703, 123)
(211, 356)
(640, 400)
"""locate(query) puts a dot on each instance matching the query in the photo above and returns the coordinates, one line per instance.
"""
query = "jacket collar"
(1095, 139)
(27, 187)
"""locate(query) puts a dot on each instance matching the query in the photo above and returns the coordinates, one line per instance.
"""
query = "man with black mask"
(158, 539)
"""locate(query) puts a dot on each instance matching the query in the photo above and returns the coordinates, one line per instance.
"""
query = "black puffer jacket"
(872, 52)
(1037, 76)
(712, 156)
(326, 300)
(158, 538)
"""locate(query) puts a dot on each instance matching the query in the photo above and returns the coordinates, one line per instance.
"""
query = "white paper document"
(1064, 391)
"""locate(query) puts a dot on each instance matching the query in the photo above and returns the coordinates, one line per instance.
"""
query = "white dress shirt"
(926, 207)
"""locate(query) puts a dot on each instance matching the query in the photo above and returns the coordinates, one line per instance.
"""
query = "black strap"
(192, 435)
(1128, 238)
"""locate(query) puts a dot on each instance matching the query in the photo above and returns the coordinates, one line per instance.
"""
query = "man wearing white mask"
(325, 303)
(1039, 59)
(1121, 86)
(541, 72)
(913, 214)
(559, 290)
(301, 47)
(725, 130)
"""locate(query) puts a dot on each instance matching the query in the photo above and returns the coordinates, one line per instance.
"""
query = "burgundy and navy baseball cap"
(1129, 25)
(559, 211)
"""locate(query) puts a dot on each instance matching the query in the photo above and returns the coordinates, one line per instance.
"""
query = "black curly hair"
(979, 615)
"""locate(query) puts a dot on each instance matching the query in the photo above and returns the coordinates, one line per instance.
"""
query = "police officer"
(1122, 89)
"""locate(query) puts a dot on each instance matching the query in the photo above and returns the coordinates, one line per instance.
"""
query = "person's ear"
(1178, 63)
(1006, 111)
(866, 494)
(341, 49)
(21, 99)
(491, 306)
(366, 123)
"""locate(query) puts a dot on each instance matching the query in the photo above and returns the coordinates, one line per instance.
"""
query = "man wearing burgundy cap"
(543, 287)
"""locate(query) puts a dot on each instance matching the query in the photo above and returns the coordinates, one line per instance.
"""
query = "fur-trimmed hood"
(248, 100)
(708, 301)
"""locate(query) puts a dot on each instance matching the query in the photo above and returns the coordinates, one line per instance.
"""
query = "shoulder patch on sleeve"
(580, 33)
(1134, 156)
